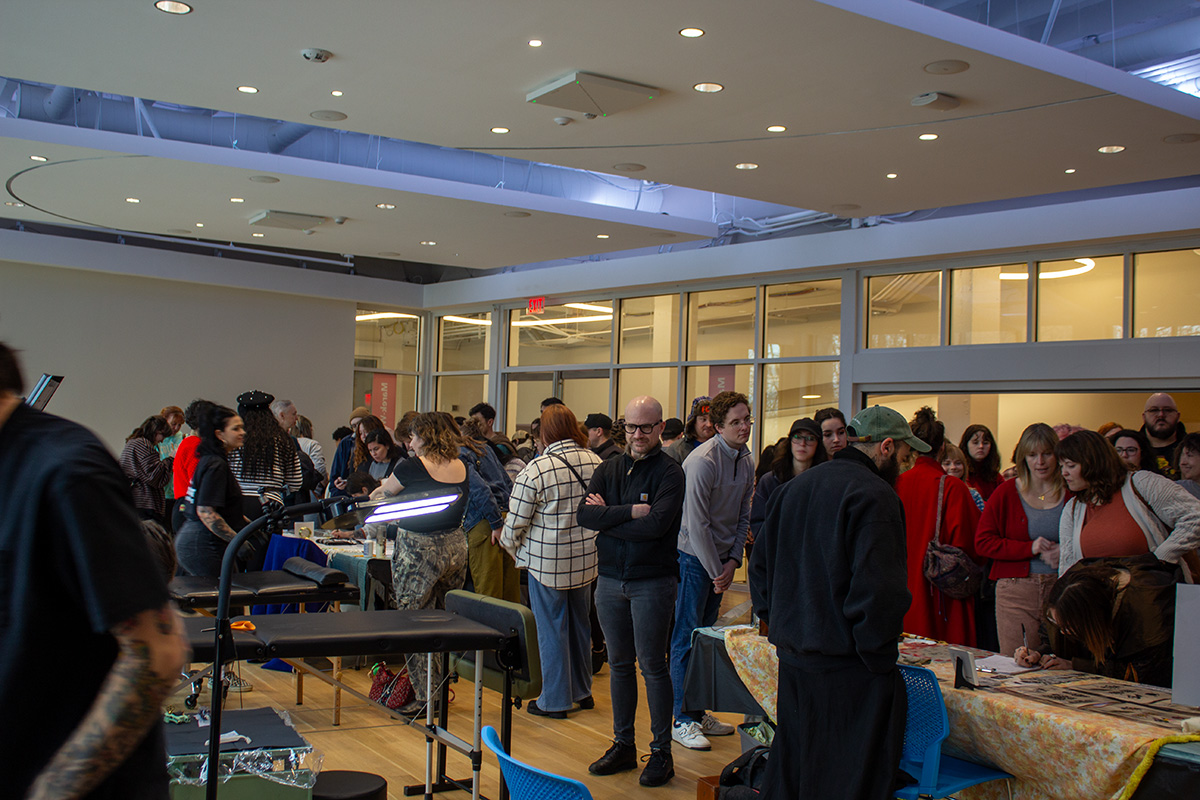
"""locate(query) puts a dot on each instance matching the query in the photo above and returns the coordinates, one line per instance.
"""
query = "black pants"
(840, 734)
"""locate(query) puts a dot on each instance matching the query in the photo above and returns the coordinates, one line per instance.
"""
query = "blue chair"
(938, 775)
(528, 783)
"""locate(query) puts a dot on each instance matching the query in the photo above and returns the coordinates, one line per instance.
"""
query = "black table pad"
(252, 588)
(264, 727)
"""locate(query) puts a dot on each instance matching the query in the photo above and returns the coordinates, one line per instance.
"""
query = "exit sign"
(537, 305)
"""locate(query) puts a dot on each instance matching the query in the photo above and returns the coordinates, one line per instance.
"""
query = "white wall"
(127, 346)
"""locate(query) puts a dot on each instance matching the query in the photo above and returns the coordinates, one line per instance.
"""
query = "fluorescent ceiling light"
(810, 397)
(336, 93)
(891, 175)
(237, 199)
(691, 33)
(172, 7)
(927, 137)
(776, 128)
(1087, 266)
(588, 307)
(530, 323)
(38, 158)
(1109, 149)
(535, 42)
(467, 320)
(708, 88)
(383, 315)
(746, 165)
(499, 129)
(133, 200)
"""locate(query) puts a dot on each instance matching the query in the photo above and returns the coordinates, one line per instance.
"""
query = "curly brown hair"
(722, 403)
(1100, 466)
(438, 434)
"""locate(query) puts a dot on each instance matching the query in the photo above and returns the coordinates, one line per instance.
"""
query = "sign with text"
(383, 399)
(537, 305)
(721, 379)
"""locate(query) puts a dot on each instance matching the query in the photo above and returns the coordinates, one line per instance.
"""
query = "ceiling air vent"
(286, 219)
(592, 94)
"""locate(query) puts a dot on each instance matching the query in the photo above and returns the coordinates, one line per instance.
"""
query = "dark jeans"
(636, 619)
(696, 606)
(199, 551)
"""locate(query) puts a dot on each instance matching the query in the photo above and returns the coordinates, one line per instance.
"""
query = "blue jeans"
(696, 606)
(564, 632)
(636, 625)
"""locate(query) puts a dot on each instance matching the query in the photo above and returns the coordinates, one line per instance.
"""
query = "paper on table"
(1004, 665)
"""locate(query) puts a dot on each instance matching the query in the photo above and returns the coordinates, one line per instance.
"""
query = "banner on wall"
(721, 379)
(383, 399)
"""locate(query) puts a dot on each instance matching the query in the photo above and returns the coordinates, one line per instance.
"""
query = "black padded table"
(250, 588)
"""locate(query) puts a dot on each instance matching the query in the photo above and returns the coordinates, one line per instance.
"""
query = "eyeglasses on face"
(646, 429)
(743, 422)
(1128, 451)
(807, 438)
(1166, 412)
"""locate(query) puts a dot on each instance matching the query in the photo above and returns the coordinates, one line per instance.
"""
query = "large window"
(1166, 294)
(576, 333)
(904, 310)
(793, 391)
(649, 329)
(386, 360)
(659, 382)
(987, 304)
(457, 393)
(721, 324)
(803, 319)
(711, 381)
(1080, 298)
(464, 341)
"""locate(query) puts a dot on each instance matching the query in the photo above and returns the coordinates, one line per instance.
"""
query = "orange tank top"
(1110, 530)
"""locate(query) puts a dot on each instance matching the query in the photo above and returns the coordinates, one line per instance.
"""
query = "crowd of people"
(624, 536)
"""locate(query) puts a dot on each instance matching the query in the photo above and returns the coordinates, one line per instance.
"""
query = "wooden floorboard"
(371, 741)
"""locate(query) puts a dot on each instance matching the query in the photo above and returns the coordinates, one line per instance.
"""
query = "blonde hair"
(950, 452)
(1038, 436)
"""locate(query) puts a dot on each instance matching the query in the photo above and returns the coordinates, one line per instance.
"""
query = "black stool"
(346, 785)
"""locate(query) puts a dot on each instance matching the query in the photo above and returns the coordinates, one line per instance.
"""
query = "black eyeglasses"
(807, 438)
(646, 429)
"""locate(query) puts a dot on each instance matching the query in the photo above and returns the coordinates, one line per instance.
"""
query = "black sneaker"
(619, 758)
(533, 708)
(587, 703)
(659, 768)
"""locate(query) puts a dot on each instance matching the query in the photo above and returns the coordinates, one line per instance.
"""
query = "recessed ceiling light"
(535, 42)
(776, 128)
(248, 89)
(499, 129)
(385, 206)
(691, 33)
(237, 200)
(1108, 149)
(891, 175)
(172, 7)
(1182, 138)
(264, 179)
(517, 214)
(1069, 171)
(328, 115)
(746, 165)
(132, 200)
(429, 243)
(708, 88)
(629, 167)
(258, 235)
(38, 158)
(927, 137)
(601, 235)
(199, 224)
(948, 67)
(14, 204)
(336, 93)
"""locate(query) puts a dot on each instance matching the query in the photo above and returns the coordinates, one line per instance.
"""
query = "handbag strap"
(574, 471)
(937, 527)
(1190, 559)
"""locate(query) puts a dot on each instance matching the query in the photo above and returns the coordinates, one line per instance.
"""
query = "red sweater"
(1003, 533)
(185, 465)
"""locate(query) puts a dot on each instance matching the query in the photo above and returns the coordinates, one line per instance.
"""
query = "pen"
(1024, 638)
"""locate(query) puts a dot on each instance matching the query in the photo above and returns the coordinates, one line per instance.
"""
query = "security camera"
(563, 120)
(316, 55)
(339, 220)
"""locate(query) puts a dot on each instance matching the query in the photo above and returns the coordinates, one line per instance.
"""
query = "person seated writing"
(359, 484)
(1112, 617)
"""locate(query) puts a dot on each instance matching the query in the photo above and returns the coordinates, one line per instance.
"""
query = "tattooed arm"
(152, 653)
(215, 523)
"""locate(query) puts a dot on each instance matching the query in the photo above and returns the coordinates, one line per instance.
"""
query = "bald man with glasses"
(635, 501)
(1162, 427)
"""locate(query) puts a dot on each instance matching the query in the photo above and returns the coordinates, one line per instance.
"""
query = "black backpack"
(745, 775)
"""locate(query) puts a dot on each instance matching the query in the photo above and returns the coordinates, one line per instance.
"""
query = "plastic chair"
(938, 775)
(529, 783)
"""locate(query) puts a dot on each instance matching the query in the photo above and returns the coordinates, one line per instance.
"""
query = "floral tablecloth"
(1053, 752)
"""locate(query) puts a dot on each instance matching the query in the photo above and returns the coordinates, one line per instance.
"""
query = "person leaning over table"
(1113, 617)
(1119, 513)
(430, 557)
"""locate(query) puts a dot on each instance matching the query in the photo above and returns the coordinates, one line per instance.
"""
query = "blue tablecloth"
(280, 549)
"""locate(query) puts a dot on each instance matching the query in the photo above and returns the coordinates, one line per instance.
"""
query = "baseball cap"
(877, 423)
(598, 421)
(806, 424)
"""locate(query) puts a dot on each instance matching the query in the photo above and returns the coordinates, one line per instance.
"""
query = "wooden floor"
(370, 741)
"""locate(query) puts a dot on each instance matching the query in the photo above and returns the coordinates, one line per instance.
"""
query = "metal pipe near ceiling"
(58, 102)
(283, 135)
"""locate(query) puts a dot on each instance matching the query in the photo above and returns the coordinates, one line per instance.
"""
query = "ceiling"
(445, 72)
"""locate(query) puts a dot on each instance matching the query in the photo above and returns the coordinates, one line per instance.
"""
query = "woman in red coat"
(932, 614)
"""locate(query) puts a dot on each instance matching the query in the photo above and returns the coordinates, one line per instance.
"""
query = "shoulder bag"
(948, 568)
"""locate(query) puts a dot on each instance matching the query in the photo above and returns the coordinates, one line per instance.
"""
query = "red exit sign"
(537, 305)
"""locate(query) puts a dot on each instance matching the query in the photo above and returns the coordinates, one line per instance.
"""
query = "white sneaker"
(711, 726)
(688, 734)
(237, 685)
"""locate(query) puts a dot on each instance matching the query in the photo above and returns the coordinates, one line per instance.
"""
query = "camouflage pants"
(424, 567)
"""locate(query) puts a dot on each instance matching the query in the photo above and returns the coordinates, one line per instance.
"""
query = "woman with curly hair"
(430, 558)
(268, 464)
(148, 474)
(983, 460)
(1116, 512)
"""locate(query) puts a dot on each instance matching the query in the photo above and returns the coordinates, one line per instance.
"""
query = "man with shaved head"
(1164, 430)
(635, 502)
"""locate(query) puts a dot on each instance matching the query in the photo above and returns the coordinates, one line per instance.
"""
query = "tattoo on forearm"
(215, 523)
